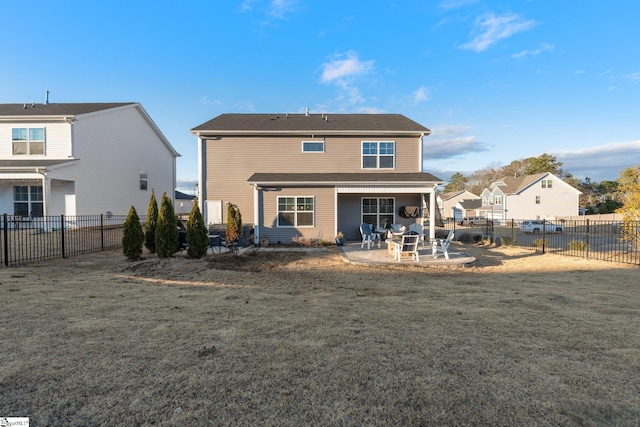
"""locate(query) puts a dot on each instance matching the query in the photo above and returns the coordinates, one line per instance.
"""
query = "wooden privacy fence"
(28, 239)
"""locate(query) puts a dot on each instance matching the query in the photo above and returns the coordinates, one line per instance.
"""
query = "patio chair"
(442, 245)
(368, 235)
(398, 230)
(417, 228)
(407, 248)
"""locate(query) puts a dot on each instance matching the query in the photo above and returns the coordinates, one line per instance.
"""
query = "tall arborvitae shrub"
(166, 229)
(234, 225)
(132, 235)
(151, 223)
(197, 233)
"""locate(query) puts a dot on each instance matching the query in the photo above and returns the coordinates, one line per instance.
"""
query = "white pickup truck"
(536, 226)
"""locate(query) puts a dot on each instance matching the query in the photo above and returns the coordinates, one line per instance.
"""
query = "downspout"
(421, 152)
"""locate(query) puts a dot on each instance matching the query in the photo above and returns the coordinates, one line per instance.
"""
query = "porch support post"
(432, 214)
(46, 192)
(256, 215)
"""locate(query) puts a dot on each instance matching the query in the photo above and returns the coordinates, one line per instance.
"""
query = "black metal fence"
(614, 241)
(28, 239)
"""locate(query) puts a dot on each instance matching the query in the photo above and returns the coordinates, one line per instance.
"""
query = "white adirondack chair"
(442, 245)
(408, 247)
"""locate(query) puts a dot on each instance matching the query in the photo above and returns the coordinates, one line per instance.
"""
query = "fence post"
(544, 234)
(102, 231)
(513, 231)
(62, 235)
(586, 238)
(5, 228)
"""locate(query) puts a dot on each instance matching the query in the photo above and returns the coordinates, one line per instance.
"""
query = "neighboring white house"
(448, 204)
(539, 196)
(81, 159)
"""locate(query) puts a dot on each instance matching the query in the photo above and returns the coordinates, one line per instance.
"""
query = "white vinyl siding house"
(539, 196)
(93, 159)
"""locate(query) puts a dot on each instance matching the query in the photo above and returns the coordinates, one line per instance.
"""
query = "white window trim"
(295, 212)
(145, 180)
(29, 141)
(313, 152)
(377, 155)
(362, 213)
(29, 202)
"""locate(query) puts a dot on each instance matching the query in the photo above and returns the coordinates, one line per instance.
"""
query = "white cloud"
(455, 4)
(247, 5)
(492, 28)
(280, 8)
(633, 77)
(533, 53)
(421, 95)
(275, 8)
(344, 66)
(342, 71)
(600, 162)
(448, 142)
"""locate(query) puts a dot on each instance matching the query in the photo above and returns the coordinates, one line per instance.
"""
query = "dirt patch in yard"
(297, 338)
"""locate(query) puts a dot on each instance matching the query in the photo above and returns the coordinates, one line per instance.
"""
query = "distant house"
(449, 204)
(539, 196)
(81, 159)
(309, 175)
(184, 203)
(469, 208)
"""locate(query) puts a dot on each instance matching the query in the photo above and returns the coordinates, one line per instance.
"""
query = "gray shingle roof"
(470, 203)
(289, 123)
(514, 185)
(69, 109)
(331, 178)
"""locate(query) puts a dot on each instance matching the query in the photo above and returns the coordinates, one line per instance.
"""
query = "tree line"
(597, 197)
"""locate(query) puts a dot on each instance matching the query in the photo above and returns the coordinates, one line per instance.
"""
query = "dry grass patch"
(306, 339)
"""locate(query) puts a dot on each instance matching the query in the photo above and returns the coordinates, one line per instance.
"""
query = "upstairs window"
(537, 200)
(313, 146)
(497, 200)
(378, 155)
(27, 141)
(547, 183)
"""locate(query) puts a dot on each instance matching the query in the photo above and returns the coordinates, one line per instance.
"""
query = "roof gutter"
(215, 133)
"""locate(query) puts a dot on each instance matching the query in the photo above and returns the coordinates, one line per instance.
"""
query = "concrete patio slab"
(354, 254)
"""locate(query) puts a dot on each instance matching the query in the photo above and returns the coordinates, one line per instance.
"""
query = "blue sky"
(495, 81)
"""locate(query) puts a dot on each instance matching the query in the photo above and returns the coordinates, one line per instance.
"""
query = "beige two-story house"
(538, 196)
(311, 175)
(449, 204)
